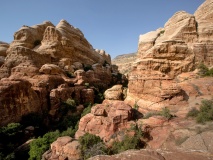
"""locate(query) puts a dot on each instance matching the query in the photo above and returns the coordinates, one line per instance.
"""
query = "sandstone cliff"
(163, 75)
(183, 43)
(44, 66)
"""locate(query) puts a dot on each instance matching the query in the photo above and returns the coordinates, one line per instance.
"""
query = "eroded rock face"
(204, 17)
(3, 49)
(63, 148)
(17, 99)
(183, 43)
(114, 93)
(57, 62)
(105, 119)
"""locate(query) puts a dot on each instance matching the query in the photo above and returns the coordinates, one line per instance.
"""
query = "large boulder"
(105, 119)
(63, 148)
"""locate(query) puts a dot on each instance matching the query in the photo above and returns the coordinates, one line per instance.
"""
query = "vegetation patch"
(165, 112)
(204, 114)
(91, 145)
(204, 70)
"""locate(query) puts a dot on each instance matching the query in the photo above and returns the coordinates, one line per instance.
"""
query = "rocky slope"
(124, 62)
(44, 66)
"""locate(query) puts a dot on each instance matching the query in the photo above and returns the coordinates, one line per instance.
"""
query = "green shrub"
(86, 110)
(204, 70)
(87, 142)
(193, 113)
(99, 97)
(11, 129)
(150, 114)
(202, 117)
(136, 106)
(205, 113)
(70, 104)
(41, 144)
(69, 132)
(67, 121)
(129, 142)
(166, 113)
(126, 144)
(96, 149)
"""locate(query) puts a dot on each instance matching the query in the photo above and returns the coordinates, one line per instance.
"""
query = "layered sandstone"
(106, 119)
(56, 63)
(183, 43)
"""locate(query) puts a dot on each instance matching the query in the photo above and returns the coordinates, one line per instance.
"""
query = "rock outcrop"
(153, 155)
(46, 65)
(183, 43)
(63, 148)
(106, 119)
(3, 49)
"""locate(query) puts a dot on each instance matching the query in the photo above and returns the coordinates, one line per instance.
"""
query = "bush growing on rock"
(165, 112)
(193, 113)
(205, 113)
(204, 70)
(86, 110)
(41, 144)
(91, 145)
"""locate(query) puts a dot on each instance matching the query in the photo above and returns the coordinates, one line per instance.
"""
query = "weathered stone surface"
(17, 99)
(47, 56)
(181, 26)
(3, 48)
(132, 155)
(30, 37)
(63, 148)
(146, 154)
(166, 53)
(204, 19)
(114, 93)
(105, 119)
(50, 69)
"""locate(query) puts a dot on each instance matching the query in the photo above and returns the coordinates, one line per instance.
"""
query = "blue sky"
(112, 25)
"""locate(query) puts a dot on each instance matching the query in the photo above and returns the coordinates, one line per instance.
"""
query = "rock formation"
(63, 148)
(183, 43)
(3, 49)
(106, 119)
(44, 66)
(163, 75)
(124, 62)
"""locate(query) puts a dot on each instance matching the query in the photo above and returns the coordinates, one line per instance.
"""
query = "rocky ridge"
(44, 66)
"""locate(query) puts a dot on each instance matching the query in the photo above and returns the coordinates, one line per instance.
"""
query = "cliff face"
(183, 43)
(38, 65)
(163, 75)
